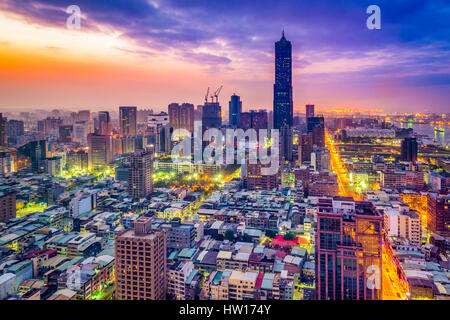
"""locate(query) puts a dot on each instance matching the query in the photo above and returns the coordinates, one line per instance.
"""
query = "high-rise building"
(127, 121)
(438, 213)
(235, 110)
(211, 115)
(320, 159)
(309, 110)
(409, 149)
(305, 147)
(104, 123)
(182, 116)
(286, 143)
(348, 250)
(253, 119)
(141, 260)
(140, 177)
(35, 151)
(15, 130)
(7, 205)
(316, 125)
(65, 133)
(282, 89)
(3, 131)
(100, 151)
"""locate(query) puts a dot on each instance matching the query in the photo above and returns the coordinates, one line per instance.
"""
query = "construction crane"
(206, 96)
(216, 94)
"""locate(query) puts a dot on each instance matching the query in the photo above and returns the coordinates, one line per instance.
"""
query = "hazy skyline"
(152, 53)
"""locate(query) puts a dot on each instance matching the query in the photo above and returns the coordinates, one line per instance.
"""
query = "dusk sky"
(152, 53)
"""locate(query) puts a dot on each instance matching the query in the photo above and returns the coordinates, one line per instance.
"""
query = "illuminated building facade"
(349, 250)
(100, 151)
(141, 262)
(127, 121)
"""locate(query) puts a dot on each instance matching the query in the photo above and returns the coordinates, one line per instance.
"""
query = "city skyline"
(173, 52)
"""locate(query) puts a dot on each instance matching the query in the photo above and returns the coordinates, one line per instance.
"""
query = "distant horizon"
(148, 53)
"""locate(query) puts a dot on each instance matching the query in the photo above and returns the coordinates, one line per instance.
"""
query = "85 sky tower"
(282, 89)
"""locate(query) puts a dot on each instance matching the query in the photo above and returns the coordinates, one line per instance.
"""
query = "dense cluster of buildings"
(93, 206)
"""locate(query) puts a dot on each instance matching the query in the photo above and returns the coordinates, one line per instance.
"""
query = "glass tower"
(282, 89)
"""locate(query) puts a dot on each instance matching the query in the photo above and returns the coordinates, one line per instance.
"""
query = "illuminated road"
(393, 287)
(339, 168)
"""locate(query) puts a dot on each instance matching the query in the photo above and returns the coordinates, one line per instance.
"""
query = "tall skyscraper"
(128, 121)
(309, 110)
(409, 149)
(3, 131)
(305, 147)
(141, 262)
(211, 115)
(100, 151)
(182, 116)
(282, 89)
(140, 178)
(15, 130)
(235, 110)
(104, 123)
(316, 125)
(348, 250)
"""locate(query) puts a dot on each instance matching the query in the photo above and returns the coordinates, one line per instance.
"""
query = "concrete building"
(141, 272)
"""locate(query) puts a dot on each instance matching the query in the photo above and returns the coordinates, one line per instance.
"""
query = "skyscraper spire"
(282, 33)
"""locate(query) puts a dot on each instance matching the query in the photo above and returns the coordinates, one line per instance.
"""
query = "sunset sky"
(152, 53)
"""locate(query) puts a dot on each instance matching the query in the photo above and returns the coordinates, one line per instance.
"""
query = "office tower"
(65, 133)
(438, 212)
(35, 151)
(305, 147)
(309, 110)
(3, 131)
(140, 178)
(409, 149)
(140, 257)
(235, 110)
(282, 89)
(348, 250)
(15, 130)
(320, 159)
(104, 123)
(163, 138)
(127, 121)
(253, 119)
(51, 125)
(100, 151)
(7, 205)
(316, 125)
(80, 132)
(181, 116)
(286, 143)
(211, 115)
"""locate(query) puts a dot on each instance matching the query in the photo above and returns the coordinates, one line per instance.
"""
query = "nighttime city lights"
(256, 153)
